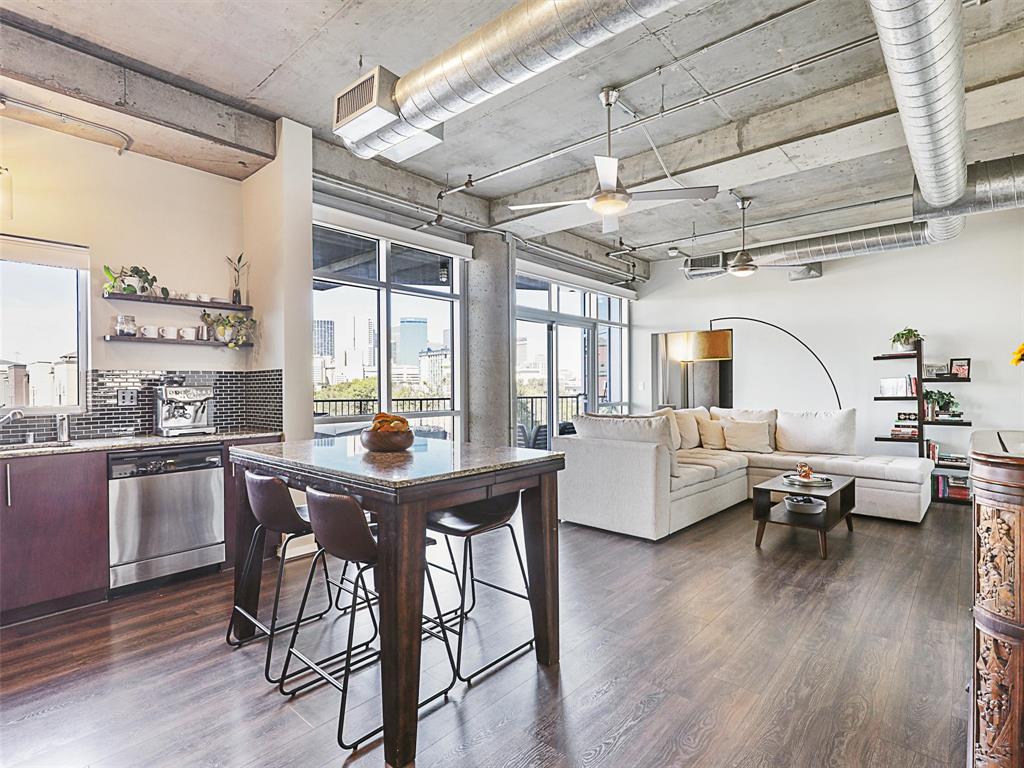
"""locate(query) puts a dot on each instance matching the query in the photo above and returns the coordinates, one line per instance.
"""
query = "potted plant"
(131, 280)
(234, 330)
(906, 340)
(940, 402)
(237, 265)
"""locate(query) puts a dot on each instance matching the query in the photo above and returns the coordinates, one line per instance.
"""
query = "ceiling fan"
(609, 197)
(740, 265)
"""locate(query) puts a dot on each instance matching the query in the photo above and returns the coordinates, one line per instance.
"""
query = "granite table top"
(427, 461)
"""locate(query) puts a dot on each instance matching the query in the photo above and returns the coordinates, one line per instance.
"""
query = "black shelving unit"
(179, 342)
(148, 299)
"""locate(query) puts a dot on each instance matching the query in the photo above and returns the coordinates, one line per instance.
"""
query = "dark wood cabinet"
(53, 533)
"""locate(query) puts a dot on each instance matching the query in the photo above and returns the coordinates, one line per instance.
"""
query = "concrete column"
(277, 233)
(489, 290)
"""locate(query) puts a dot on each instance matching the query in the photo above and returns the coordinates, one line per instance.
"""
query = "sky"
(38, 312)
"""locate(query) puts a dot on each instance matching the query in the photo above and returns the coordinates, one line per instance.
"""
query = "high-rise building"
(412, 339)
(323, 338)
(372, 343)
(436, 370)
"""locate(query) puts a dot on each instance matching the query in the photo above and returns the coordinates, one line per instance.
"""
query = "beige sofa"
(631, 476)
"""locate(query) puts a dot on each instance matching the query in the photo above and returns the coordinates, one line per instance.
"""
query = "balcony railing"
(532, 410)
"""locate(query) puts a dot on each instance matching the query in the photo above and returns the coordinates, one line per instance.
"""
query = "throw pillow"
(818, 431)
(711, 433)
(749, 436)
(674, 425)
(747, 414)
(686, 421)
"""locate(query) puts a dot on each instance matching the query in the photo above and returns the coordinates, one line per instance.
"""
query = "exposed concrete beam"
(35, 60)
(849, 122)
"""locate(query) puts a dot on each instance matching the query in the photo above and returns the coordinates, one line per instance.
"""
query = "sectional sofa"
(653, 475)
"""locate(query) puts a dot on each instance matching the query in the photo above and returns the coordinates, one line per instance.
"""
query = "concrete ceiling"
(289, 58)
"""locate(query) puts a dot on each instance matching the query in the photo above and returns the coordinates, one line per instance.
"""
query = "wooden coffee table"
(840, 499)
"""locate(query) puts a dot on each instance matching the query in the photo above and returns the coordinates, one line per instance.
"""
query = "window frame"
(83, 298)
(386, 288)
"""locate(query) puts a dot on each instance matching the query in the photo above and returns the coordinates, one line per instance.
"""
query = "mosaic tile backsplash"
(242, 400)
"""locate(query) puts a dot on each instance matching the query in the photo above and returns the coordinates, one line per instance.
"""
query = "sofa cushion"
(817, 431)
(677, 439)
(723, 462)
(749, 436)
(686, 420)
(712, 435)
(690, 474)
(747, 414)
(648, 429)
(903, 469)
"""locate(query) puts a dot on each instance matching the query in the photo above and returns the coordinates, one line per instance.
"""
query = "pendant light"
(742, 265)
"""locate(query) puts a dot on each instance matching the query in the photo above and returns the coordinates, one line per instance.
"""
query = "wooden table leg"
(823, 544)
(761, 525)
(247, 593)
(399, 583)
(540, 531)
(849, 521)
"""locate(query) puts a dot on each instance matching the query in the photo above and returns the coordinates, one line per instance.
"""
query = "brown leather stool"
(466, 522)
(342, 531)
(274, 510)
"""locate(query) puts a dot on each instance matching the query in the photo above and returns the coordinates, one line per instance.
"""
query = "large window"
(385, 333)
(43, 332)
(571, 356)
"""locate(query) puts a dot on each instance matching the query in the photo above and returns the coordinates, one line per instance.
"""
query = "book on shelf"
(951, 487)
(898, 386)
(907, 416)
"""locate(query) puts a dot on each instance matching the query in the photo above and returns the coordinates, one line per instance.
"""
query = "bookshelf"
(943, 468)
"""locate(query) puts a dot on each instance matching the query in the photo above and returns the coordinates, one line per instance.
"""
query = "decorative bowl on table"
(388, 434)
(804, 505)
(814, 481)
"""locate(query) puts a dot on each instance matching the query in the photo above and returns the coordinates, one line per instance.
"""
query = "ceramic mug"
(149, 331)
(204, 297)
(188, 334)
(168, 332)
(192, 296)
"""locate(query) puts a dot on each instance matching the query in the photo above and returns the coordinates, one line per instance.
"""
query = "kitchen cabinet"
(53, 533)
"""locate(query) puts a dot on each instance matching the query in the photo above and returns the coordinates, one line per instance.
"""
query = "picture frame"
(934, 370)
(960, 367)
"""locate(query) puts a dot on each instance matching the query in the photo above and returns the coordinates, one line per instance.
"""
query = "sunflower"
(1018, 356)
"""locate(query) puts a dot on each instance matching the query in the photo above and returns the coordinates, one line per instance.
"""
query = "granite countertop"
(427, 461)
(135, 442)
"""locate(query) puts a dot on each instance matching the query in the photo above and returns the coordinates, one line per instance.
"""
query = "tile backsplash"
(242, 400)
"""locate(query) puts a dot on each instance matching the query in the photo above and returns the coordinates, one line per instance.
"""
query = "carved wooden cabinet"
(997, 475)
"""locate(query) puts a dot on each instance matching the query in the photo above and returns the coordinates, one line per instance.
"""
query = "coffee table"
(840, 499)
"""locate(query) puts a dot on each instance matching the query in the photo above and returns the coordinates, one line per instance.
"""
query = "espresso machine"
(182, 410)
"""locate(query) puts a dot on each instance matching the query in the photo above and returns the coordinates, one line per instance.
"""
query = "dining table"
(400, 489)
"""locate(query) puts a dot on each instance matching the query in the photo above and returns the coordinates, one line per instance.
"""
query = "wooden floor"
(697, 651)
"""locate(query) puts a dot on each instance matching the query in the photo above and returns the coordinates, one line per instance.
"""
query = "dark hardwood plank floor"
(699, 651)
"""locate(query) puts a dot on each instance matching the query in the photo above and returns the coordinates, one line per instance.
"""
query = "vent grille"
(712, 261)
(355, 98)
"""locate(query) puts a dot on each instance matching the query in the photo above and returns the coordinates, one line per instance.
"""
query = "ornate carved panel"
(995, 673)
(997, 588)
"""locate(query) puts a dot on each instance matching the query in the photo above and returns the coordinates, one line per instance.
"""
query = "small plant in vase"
(234, 330)
(237, 266)
(906, 340)
(940, 402)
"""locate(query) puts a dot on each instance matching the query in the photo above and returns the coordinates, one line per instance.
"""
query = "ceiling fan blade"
(688, 193)
(609, 224)
(607, 172)
(528, 206)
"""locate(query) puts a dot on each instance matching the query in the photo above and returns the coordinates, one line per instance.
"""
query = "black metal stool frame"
(353, 660)
(470, 579)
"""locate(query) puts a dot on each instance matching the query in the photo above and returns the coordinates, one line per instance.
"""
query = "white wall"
(966, 297)
(177, 222)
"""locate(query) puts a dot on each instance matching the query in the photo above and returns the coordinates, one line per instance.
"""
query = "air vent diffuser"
(366, 105)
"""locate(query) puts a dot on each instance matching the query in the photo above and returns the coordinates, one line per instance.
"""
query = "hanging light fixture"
(742, 264)
(6, 194)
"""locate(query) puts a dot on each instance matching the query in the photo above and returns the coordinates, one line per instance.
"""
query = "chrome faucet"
(11, 416)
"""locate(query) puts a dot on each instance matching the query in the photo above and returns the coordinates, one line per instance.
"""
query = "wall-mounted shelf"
(910, 398)
(897, 356)
(948, 423)
(180, 342)
(947, 379)
(146, 299)
(951, 465)
(882, 439)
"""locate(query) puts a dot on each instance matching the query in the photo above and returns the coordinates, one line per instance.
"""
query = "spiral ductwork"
(922, 42)
(529, 38)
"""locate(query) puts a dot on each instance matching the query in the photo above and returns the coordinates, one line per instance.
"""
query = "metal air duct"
(922, 42)
(527, 39)
(992, 185)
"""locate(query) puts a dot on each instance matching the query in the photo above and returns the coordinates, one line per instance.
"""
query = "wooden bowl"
(386, 442)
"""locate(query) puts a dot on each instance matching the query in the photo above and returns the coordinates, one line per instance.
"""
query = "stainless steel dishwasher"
(166, 512)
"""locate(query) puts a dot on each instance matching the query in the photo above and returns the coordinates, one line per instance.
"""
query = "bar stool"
(466, 522)
(342, 530)
(274, 510)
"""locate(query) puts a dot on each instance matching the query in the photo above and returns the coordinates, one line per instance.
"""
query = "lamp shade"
(712, 345)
